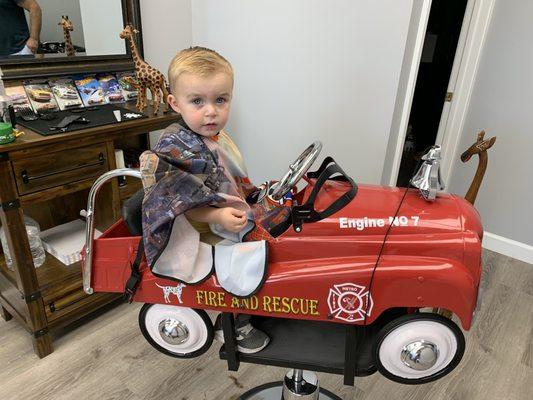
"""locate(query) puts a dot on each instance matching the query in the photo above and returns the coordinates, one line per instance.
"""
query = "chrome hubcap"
(420, 355)
(173, 331)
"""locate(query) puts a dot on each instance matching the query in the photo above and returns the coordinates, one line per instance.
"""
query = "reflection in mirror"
(89, 27)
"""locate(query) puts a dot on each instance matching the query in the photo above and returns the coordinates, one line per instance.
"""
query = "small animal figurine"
(148, 77)
(480, 148)
(67, 28)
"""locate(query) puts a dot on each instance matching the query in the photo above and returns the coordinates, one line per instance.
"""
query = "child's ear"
(173, 103)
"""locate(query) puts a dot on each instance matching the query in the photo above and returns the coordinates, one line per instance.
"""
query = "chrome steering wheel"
(296, 171)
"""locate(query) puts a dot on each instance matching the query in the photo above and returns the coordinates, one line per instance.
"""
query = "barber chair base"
(274, 391)
(305, 388)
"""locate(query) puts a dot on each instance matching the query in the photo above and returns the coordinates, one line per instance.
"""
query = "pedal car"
(354, 280)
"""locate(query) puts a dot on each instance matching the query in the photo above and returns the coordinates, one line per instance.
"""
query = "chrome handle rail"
(89, 229)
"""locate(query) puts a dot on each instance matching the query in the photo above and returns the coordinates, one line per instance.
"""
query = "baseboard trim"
(508, 247)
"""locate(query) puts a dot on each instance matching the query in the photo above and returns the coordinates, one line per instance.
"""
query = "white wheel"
(419, 348)
(176, 331)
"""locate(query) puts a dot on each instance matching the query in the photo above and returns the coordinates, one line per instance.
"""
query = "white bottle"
(36, 245)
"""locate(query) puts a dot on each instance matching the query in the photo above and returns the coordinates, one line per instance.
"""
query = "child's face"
(203, 101)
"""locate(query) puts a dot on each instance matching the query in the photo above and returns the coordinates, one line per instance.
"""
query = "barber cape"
(186, 171)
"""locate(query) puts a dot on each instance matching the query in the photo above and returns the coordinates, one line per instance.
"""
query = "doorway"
(438, 54)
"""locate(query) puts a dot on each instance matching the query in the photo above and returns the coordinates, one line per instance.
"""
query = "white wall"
(167, 28)
(327, 71)
(102, 23)
(306, 70)
(52, 11)
(501, 105)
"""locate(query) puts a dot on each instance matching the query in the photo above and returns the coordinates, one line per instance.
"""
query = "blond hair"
(198, 61)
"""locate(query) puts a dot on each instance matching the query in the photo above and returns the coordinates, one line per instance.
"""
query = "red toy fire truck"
(353, 284)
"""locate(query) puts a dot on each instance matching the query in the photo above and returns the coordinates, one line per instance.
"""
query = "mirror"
(92, 26)
(96, 45)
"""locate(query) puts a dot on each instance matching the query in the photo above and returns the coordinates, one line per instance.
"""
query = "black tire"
(449, 361)
(199, 316)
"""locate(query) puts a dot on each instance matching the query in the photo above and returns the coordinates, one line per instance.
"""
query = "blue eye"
(221, 100)
(196, 101)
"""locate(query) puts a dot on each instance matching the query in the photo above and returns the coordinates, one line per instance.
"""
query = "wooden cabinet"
(48, 178)
(59, 168)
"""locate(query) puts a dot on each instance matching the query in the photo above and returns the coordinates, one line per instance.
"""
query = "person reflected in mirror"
(16, 38)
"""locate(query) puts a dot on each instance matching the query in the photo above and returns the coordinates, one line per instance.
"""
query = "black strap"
(306, 212)
(315, 174)
(135, 277)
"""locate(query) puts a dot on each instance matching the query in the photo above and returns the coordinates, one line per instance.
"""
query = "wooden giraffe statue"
(141, 100)
(148, 77)
(67, 28)
(480, 148)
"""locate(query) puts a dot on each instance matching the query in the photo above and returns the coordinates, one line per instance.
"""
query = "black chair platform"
(310, 345)
(342, 349)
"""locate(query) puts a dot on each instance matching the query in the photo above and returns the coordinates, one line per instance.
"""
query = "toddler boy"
(201, 86)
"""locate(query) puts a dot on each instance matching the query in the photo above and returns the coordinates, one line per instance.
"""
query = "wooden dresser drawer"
(74, 305)
(59, 168)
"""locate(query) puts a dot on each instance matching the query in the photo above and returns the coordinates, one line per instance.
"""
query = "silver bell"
(428, 178)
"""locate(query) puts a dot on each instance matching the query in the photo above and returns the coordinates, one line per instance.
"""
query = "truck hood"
(374, 208)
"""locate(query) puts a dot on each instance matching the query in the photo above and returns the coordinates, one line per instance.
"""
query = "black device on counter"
(70, 119)
(27, 114)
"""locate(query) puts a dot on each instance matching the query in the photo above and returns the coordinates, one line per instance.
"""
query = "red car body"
(339, 269)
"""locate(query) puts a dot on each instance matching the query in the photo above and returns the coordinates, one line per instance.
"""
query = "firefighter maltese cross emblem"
(349, 302)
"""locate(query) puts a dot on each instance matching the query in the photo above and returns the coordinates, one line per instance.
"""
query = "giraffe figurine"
(67, 28)
(148, 77)
(480, 148)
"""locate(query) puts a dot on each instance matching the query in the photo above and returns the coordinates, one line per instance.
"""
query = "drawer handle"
(58, 307)
(26, 178)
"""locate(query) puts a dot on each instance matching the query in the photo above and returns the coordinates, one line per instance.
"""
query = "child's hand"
(231, 219)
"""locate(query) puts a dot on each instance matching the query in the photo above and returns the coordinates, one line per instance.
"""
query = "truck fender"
(419, 282)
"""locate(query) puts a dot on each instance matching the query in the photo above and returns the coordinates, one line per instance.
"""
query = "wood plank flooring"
(107, 358)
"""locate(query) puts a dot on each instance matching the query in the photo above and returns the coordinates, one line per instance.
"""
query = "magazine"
(18, 98)
(110, 88)
(90, 90)
(65, 93)
(40, 95)
(128, 90)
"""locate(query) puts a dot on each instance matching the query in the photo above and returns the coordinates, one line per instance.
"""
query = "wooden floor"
(108, 358)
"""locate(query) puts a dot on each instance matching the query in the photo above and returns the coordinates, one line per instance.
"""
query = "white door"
(475, 23)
